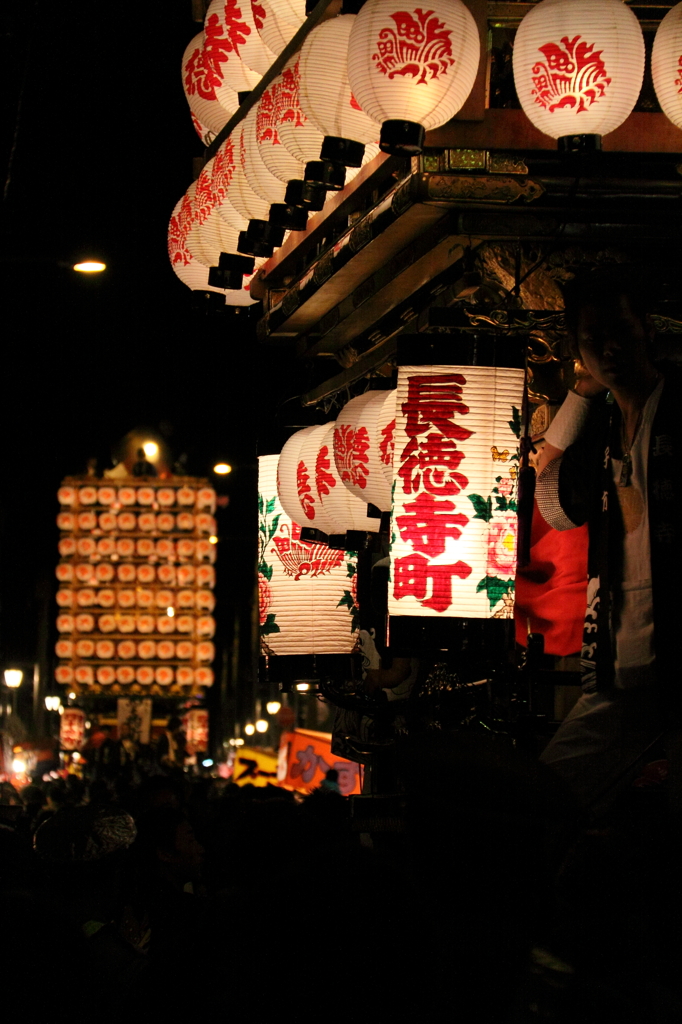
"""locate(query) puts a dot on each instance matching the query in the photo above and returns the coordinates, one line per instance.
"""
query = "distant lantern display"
(306, 591)
(325, 93)
(361, 451)
(227, 29)
(666, 65)
(456, 459)
(412, 68)
(210, 98)
(129, 600)
(578, 66)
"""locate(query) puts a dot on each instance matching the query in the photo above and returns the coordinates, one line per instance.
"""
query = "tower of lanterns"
(136, 576)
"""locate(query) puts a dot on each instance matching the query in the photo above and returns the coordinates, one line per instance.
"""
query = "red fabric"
(552, 590)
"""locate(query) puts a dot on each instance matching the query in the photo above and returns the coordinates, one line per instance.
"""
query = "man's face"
(613, 343)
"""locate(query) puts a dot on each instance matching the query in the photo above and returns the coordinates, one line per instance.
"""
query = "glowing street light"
(52, 703)
(13, 677)
(272, 707)
(170, 611)
(249, 729)
(222, 468)
(262, 725)
(89, 267)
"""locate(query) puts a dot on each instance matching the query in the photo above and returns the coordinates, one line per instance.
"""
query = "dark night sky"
(103, 151)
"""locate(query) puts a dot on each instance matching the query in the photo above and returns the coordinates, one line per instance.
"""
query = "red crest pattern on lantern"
(572, 75)
(350, 453)
(301, 558)
(279, 103)
(203, 73)
(418, 46)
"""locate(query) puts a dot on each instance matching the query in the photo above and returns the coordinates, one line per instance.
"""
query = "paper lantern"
(578, 67)
(209, 96)
(454, 507)
(72, 729)
(226, 31)
(203, 131)
(325, 93)
(291, 485)
(278, 21)
(126, 598)
(276, 107)
(265, 184)
(85, 649)
(666, 65)
(338, 503)
(305, 604)
(196, 729)
(411, 68)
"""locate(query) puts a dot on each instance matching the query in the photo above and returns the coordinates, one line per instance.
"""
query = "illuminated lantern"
(196, 730)
(209, 96)
(72, 728)
(264, 183)
(226, 30)
(202, 130)
(304, 589)
(278, 21)
(325, 93)
(338, 503)
(578, 68)
(386, 432)
(411, 68)
(275, 108)
(293, 478)
(260, 237)
(666, 65)
(203, 676)
(454, 506)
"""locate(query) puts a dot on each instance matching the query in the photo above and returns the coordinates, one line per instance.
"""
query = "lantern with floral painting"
(305, 600)
(210, 98)
(666, 65)
(412, 68)
(455, 501)
(578, 68)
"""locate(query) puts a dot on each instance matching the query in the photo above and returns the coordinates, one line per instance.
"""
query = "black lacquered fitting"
(402, 138)
(289, 217)
(343, 151)
(327, 173)
(309, 194)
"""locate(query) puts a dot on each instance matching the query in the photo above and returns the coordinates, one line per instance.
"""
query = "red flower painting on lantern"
(419, 46)
(502, 546)
(572, 75)
(264, 599)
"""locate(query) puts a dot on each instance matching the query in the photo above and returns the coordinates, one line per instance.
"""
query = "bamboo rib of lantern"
(293, 46)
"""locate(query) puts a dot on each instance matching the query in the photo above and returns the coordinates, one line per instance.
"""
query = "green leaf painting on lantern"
(350, 597)
(267, 527)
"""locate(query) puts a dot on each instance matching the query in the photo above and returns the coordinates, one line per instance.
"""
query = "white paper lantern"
(666, 65)
(261, 180)
(279, 106)
(278, 21)
(357, 450)
(188, 268)
(412, 67)
(305, 590)
(203, 131)
(239, 192)
(222, 168)
(227, 28)
(210, 98)
(386, 435)
(325, 93)
(337, 502)
(288, 490)
(578, 66)
(295, 130)
(454, 507)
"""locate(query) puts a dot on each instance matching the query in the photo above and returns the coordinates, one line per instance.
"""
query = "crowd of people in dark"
(480, 891)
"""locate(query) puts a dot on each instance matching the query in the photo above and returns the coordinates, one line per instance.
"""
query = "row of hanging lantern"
(380, 77)
(441, 454)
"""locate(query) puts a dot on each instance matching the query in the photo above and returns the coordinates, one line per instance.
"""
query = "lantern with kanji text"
(666, 65)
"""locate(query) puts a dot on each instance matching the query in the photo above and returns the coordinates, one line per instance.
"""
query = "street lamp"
(13, 678)
(89, 267)
(272, 707)
(262, 725)
(249, 729)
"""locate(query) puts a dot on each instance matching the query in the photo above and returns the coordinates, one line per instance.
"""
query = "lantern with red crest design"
(359, 449)
(72, 729)
(411, 69)
(578, 68)
(455, 467)
(666, 65)
(260, 237)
